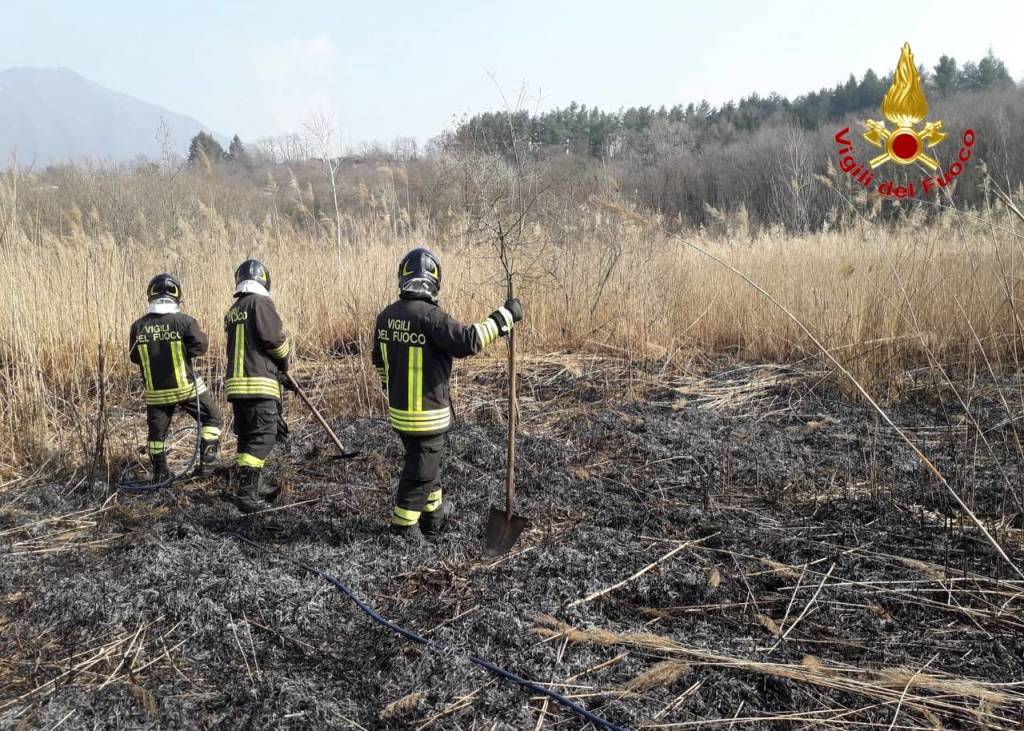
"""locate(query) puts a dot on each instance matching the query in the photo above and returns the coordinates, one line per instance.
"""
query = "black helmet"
(420, 273)
(163, 285)
(252, 270)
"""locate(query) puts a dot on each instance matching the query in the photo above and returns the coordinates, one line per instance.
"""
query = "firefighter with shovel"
(414, 344)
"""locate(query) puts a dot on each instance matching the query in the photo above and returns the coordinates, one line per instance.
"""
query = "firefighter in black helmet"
(414, 344)
(257, 364)
(163, 343)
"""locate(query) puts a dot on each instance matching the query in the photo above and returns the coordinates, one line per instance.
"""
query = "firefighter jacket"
(257, 348)
(414, 344)
(163, 346)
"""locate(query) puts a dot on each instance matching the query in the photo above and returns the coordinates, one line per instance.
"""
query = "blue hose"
(437, 647)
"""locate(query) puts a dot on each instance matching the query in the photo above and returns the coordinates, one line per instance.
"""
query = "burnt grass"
(817, 543)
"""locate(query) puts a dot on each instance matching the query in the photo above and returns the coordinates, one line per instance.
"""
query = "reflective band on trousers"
(209, 433)
(433, 502)
(405, 517)
(247, 460)
(156, 447)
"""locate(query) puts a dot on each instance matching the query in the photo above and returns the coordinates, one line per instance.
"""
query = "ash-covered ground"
(809, 571)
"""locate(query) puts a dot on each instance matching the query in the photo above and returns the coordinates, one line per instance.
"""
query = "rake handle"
(316, 413)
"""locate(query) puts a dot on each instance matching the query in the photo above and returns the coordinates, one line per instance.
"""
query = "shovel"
(504, 528)
(344, 453)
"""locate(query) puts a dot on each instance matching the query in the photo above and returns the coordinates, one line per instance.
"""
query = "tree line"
(204, 149)
(763, 161)
(603, 134)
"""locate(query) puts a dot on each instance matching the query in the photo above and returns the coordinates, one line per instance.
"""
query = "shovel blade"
(346, 455)
(502, 532)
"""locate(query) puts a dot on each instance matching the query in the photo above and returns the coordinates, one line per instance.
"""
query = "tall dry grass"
(887, 300)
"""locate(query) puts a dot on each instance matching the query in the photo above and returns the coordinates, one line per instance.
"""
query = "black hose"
(436, 646)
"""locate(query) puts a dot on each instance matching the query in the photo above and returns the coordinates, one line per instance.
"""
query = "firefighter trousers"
(418, 490)
(259, 424)
(158, 421)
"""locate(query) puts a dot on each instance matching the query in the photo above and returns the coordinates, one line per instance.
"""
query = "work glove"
(512, 308)
(516, 308)
(287, 383)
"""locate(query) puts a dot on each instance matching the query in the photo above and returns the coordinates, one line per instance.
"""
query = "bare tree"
(798, 174)
(320, 130)
(500, 192)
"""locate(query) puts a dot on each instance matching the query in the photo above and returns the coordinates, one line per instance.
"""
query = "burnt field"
(740, 547)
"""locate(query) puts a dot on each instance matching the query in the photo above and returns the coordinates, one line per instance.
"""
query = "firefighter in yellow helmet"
(163, 343)
(414, 344)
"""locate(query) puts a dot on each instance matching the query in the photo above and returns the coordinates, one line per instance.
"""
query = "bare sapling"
(501, 191)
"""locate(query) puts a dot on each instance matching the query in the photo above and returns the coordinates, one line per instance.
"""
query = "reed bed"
(885, 300)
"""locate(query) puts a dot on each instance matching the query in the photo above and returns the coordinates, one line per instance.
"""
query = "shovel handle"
(513, 414)
(316, 413)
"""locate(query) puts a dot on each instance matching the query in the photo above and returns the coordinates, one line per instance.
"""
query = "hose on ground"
(148, 487)
(431, 644)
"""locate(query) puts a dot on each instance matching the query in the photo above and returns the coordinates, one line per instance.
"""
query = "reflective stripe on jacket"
(414, 344)
(257, 349)
(163, 346)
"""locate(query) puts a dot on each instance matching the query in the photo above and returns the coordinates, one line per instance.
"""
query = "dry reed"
(991, 705)
(883, 303)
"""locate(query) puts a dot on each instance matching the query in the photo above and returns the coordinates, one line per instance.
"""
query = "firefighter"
(163, 343)
(414, 344)
(257, 366)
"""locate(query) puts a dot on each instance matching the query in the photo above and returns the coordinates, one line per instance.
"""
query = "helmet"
(252, 270)
(420, 273)
(163, 285)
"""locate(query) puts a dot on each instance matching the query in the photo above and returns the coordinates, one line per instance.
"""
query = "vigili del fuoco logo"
(906, 143)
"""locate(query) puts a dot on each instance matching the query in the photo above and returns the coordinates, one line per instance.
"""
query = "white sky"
(399, 68)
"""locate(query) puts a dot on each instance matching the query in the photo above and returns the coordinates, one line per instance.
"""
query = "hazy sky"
(388, 68)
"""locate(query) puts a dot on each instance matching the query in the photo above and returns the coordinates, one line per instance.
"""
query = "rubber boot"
(411, 534)
(209, 457)
(267, 492)
(246, 497)
(160, 471)
(431, 524)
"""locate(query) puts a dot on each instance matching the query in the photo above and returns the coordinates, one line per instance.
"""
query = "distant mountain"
(54, 115)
